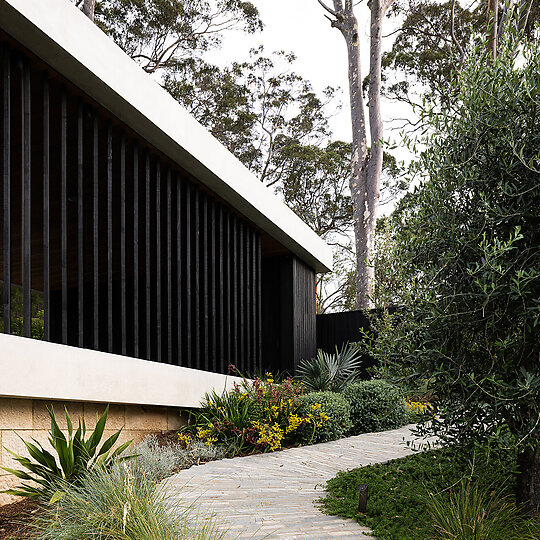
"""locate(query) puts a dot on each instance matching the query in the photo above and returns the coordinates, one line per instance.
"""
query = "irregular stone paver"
(274, 495)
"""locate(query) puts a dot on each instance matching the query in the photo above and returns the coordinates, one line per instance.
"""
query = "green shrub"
(119, 503)
(375, 405)
(335, 413)
(76, 455)
(330, 372)
(38, 325)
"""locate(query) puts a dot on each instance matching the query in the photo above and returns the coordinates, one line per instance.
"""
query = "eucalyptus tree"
(431, 43)
(156, 33)
(367, 157)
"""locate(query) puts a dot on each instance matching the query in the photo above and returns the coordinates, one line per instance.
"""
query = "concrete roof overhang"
(58, 33)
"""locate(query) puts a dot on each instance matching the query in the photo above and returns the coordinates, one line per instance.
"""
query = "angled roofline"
(62, 36)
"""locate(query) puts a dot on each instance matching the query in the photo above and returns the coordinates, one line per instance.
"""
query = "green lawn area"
(397, 505)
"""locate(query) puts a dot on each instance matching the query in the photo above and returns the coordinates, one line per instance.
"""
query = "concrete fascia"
(60, 34)
(36, 369)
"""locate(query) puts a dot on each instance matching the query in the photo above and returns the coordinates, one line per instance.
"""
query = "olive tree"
(466, 249)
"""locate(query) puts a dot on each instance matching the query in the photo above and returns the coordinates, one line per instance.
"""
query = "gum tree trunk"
(88, 8)
(366, 165)
(528, 481)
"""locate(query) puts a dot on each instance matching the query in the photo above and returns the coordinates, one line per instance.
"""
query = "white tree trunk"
(88, 8)
(366, 167)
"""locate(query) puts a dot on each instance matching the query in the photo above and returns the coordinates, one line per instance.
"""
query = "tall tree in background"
(156, 33)
(431, 43)
(366, 163)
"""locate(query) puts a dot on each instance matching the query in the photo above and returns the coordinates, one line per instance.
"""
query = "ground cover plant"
(409, 498)
(158, 461)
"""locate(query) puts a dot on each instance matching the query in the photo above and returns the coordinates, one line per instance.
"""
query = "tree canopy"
(466, 247)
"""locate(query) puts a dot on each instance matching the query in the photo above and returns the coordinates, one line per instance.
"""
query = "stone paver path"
(273, 495)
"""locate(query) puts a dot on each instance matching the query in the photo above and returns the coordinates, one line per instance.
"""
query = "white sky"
(299, 26)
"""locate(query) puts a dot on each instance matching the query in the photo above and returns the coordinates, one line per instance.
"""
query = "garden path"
(274, 495)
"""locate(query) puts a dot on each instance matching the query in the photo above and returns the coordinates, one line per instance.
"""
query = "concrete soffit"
(57, 32)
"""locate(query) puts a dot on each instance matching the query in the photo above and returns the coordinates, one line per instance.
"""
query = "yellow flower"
(186, 440)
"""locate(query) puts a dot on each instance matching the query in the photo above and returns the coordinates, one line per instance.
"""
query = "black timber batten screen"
(125, 252)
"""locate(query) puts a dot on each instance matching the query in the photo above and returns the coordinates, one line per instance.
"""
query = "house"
(157, 258)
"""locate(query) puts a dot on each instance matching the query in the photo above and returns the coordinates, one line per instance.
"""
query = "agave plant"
(330, 372)
(76, 455)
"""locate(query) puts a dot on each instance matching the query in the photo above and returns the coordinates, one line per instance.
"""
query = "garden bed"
(15, 519)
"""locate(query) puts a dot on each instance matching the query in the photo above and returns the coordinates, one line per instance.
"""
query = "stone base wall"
(28, 418)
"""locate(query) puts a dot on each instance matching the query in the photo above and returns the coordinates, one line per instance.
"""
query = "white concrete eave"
(60, 372)
(58, 33)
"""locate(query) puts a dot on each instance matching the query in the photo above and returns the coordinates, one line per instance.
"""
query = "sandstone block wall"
(28, 418)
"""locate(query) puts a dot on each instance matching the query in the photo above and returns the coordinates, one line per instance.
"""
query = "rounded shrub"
(375, 405)
(330, 417)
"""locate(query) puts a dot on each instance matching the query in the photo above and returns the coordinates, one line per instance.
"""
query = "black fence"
(116, 248)
(335, 329)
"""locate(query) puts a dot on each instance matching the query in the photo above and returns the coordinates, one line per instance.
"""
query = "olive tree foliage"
(465, 246)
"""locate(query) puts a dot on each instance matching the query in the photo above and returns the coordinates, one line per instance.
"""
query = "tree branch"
(331, 11)
(454, 38)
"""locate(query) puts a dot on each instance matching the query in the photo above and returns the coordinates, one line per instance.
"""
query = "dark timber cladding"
(288, 313)
(122, 250)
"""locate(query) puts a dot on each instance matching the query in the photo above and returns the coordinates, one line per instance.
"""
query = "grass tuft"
(120, 504)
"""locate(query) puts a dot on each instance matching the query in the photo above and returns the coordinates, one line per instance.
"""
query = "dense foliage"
(335, 413)
(120, 503)
(375, 405)
(425, 53)
(256, 416)
(400, 491)
(466, 244)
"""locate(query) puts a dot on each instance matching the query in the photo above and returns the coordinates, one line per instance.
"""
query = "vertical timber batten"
(46, 214)
(123, 302)
(109, 237)
(63, 203)
(169, 268)
(148, 283)
(95, 225)
(27, 200)
(6, 179)
(158, 262)
(138, 258)
(80, 224)
(188, 350)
